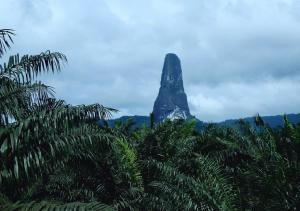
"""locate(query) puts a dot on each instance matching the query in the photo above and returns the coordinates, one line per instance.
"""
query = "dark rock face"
(171, 101)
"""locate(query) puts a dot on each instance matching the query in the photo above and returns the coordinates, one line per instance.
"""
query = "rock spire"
(171, 101)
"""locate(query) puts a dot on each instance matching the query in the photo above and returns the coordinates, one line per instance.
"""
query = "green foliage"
(39, 206)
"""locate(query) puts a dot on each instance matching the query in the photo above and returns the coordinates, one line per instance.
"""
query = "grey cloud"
(237, 56)
(268, 97)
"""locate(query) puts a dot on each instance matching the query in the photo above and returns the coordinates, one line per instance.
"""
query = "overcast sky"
(238, 57)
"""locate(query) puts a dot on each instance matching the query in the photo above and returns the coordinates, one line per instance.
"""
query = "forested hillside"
(54, 156)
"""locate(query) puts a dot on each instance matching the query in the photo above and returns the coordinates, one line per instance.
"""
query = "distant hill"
(141, 121)
(273, 121)
(138, 120)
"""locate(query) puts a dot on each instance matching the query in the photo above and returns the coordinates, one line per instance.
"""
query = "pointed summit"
(171, 101)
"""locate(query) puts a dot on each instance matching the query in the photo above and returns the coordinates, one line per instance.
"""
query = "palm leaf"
(44, 206)
(43, 136)
(26, 68)
(5, 39)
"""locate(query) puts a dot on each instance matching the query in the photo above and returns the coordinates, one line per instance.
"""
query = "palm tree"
(37, 132)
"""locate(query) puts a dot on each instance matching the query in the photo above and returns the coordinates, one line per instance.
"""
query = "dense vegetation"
(54, 156)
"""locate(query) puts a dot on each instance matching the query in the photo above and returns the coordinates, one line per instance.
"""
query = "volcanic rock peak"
(171, 101)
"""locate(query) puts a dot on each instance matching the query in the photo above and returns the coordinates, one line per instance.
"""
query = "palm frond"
(5, 40)
(44, 205)
(16, 100)
(23, 151)
(198, 193)
(26, 68)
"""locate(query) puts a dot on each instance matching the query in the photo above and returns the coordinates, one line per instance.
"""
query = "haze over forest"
(238, 57)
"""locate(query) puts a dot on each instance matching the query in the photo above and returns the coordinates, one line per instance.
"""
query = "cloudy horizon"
(239, 57)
